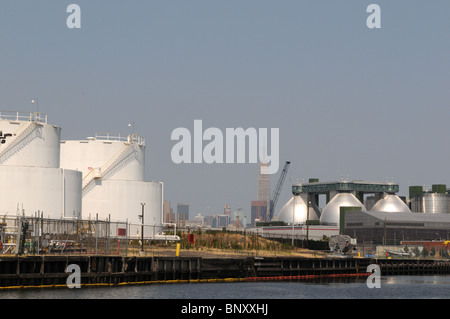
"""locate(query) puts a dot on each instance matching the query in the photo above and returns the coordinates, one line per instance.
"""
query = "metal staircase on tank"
(98, 173)
(20, 138)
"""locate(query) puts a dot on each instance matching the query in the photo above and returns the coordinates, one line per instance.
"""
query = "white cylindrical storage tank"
(331, 212)
(106, 157)
(72, 193)
(121, 201)
(29, 142)
(52, 191)
(113, 186)
(295, 209)
(154, 204)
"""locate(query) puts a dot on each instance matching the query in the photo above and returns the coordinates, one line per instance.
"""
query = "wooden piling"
(49, 270)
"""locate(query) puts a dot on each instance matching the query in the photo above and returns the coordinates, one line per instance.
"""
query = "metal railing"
(134, 138)
(23, 116)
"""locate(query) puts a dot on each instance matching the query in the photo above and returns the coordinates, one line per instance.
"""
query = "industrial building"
(387, 228)
(304, 205)
(369, 211)
(387, 222)
(102, 177)
(372, 212)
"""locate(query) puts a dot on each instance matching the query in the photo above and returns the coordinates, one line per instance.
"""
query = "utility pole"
(293, 219)
(142, 228)
(307, 221)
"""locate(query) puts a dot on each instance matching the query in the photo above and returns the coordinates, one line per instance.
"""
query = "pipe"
(162, 212)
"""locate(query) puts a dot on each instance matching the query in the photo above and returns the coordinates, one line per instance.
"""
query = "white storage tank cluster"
(296, 208)
(113, 185)
(330, 215)
(32, 179)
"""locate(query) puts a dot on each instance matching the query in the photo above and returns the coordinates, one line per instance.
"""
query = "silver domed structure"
(331, 212)
(288, 211)
(391, 203)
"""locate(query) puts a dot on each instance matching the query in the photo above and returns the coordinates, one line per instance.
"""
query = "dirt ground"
(225, 245)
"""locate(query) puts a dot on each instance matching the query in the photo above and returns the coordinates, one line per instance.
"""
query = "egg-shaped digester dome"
(296, 209)
(331, 212)
(391, 203)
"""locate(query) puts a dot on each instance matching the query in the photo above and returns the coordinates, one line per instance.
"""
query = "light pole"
(131, 124)
(293, 219)
(131, 136)
(142, 228)
(36, 101)
(307, 222)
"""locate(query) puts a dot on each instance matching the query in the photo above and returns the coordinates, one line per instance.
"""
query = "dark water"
(395, 287)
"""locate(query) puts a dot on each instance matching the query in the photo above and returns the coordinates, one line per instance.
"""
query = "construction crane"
(276, 192)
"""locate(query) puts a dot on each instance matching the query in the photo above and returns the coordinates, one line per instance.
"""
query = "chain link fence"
(36, 235)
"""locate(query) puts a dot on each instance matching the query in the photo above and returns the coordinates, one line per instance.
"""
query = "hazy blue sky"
(348, 100)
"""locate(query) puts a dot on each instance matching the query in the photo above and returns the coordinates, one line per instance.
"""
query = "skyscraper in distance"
(263, 185)
(258, 211)
(227, 210)
(166, 211)
(182, 211)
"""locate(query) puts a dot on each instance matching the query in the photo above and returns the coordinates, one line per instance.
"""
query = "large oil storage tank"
(432, 203)
(113, 185)
(391, 203)
(435, 201)
(331, 212)
(32, 180)
(28, 140)
(296, 209)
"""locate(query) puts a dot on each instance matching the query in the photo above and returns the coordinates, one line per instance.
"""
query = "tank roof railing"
(361, 186)
(23, 116)
(133, 138)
